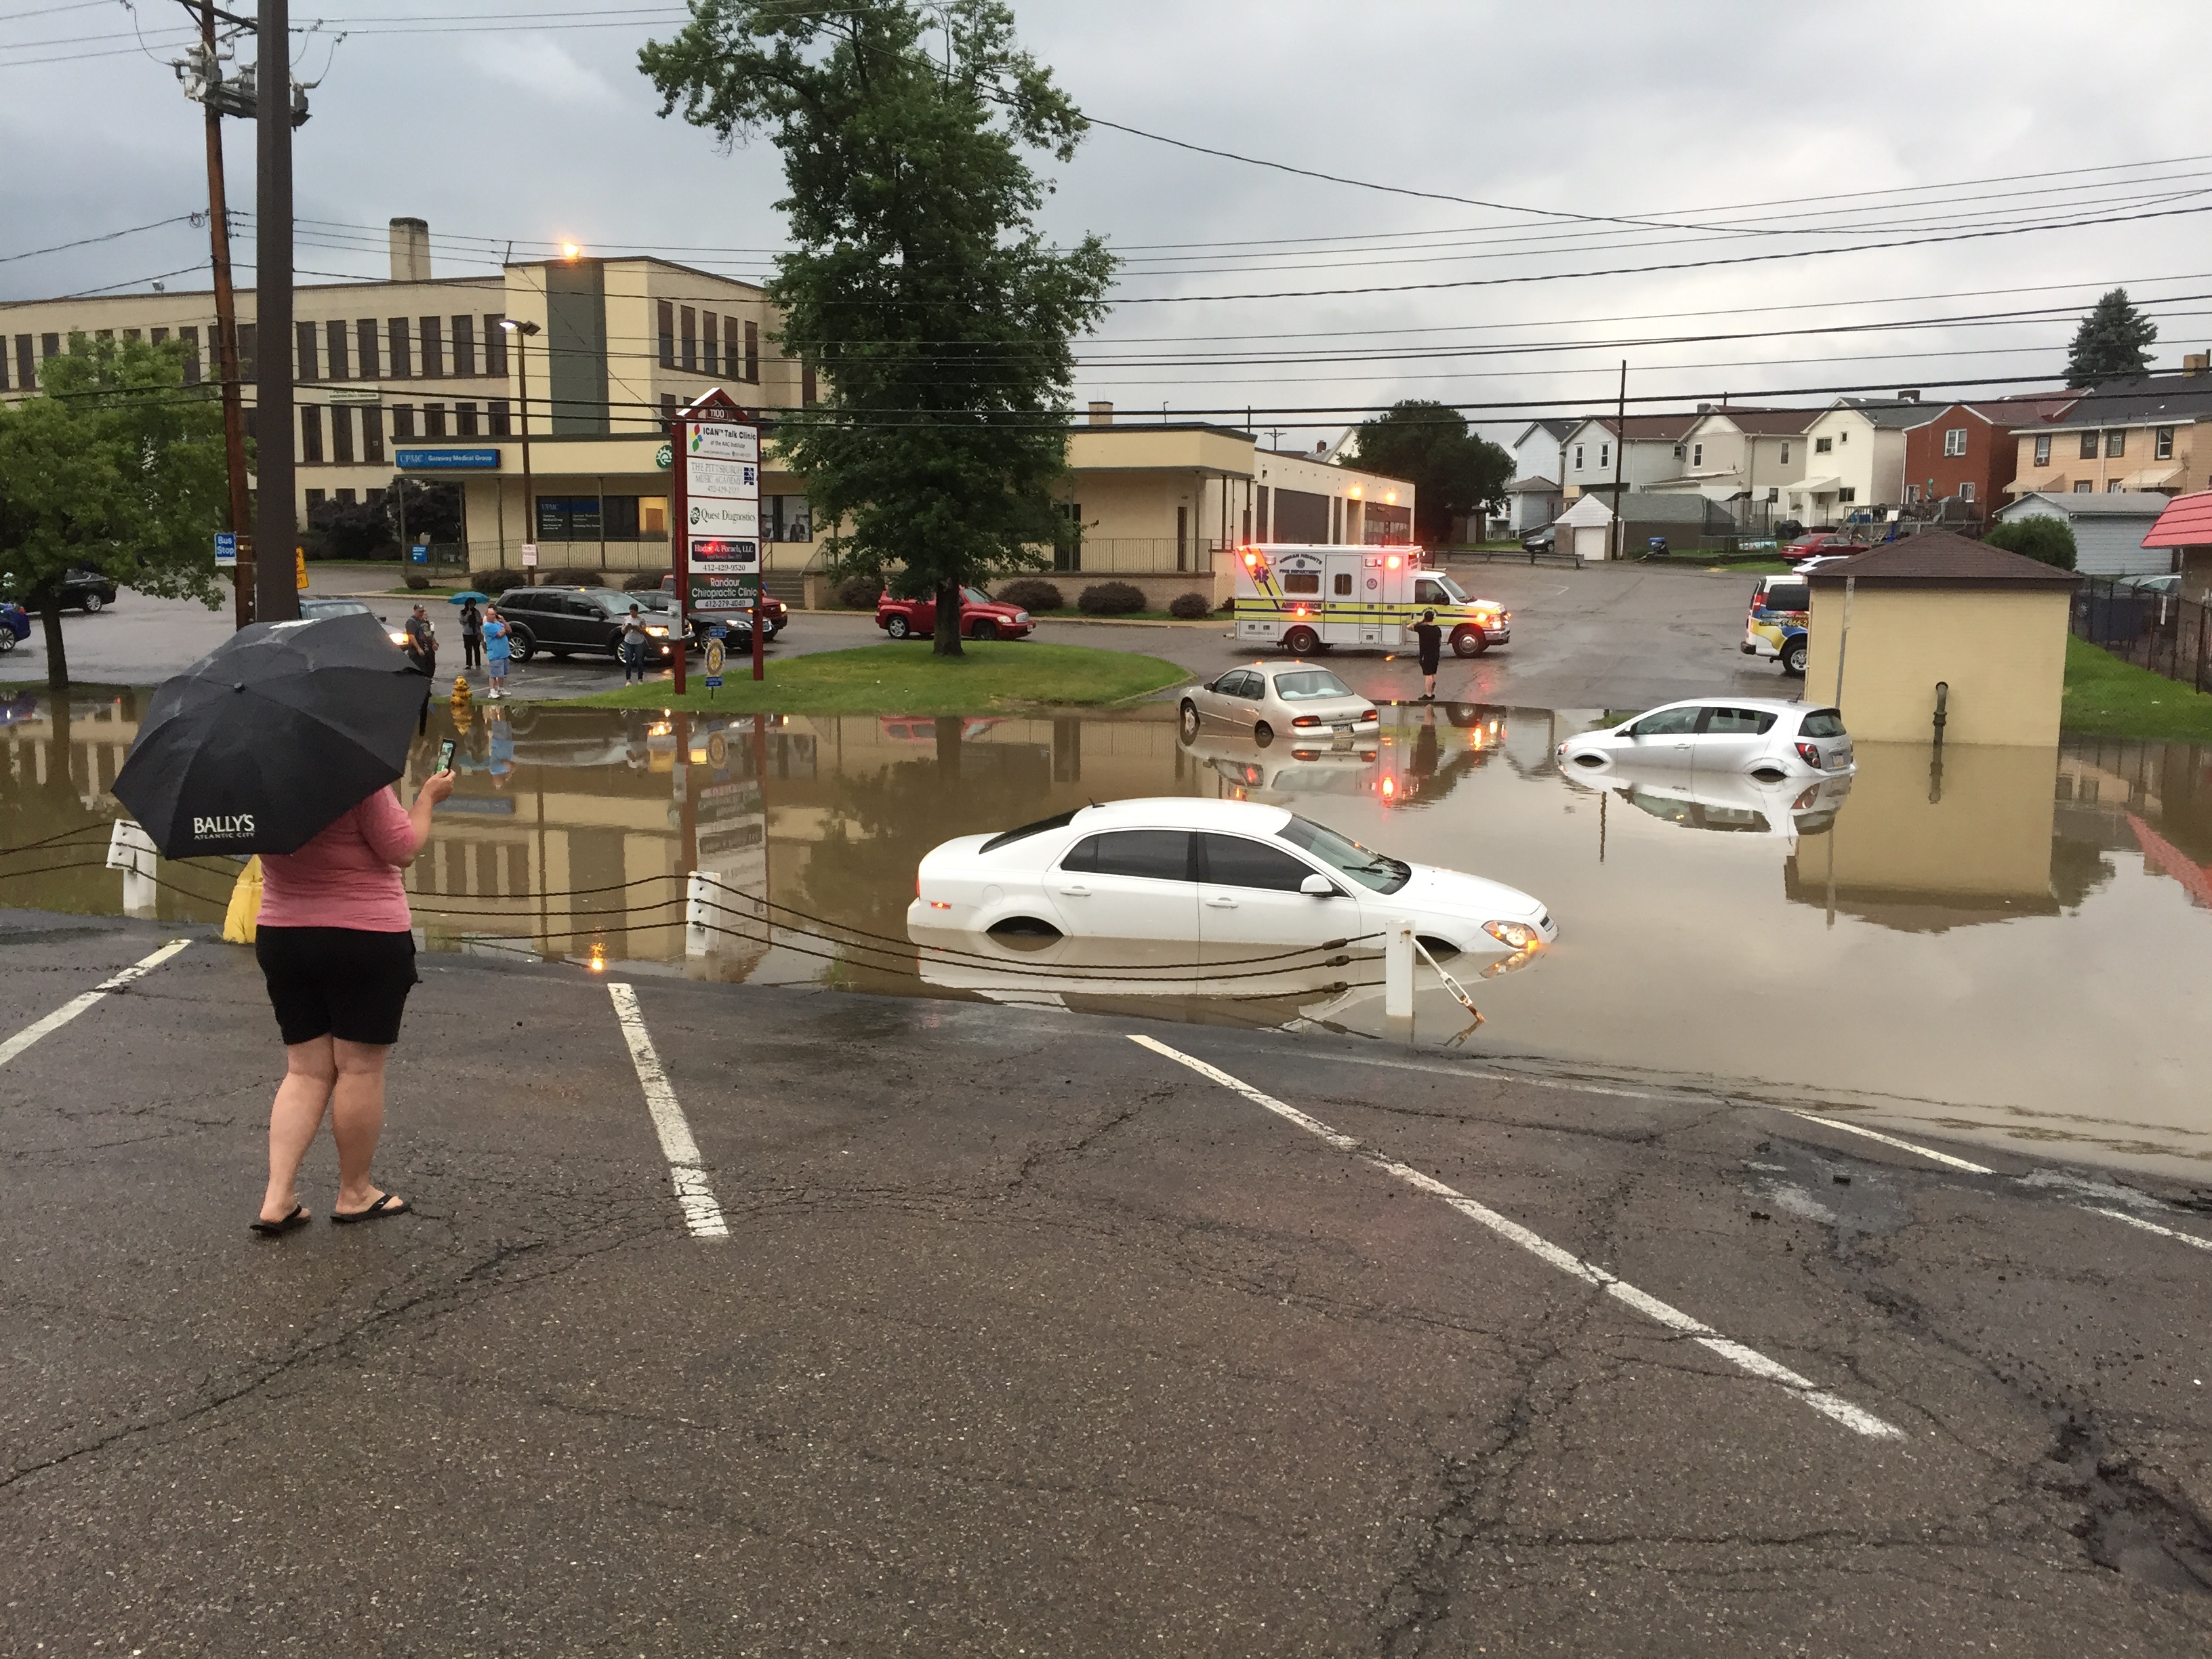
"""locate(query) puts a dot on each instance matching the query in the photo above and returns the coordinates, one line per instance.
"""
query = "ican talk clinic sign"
(721, 514)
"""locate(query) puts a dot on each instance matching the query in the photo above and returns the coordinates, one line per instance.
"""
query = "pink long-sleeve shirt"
(348, 876)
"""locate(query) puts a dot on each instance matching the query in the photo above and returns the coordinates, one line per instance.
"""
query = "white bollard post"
(131, 850)
(1398, 970)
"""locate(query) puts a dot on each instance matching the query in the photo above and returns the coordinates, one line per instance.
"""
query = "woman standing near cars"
(634, 640)
(498, 647)
(337, 946)
(471, 636)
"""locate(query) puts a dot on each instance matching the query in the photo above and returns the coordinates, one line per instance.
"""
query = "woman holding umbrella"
(286, 741)
(471, 631)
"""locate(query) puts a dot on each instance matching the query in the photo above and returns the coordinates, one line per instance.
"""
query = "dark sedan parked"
(88, 590)
(562, 621)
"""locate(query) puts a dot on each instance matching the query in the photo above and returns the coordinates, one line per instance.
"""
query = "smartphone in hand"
(446, 755)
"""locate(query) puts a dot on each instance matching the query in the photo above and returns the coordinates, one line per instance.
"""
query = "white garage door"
(1593, 541)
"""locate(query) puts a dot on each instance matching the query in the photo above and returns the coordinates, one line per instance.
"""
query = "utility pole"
(226, 337)
(522, 332)
(1619, 458)
(276, 524)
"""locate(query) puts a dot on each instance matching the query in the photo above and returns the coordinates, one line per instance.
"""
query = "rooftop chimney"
(2195, 363)
(410, 250)
(1705, 409)
(1908, 396)
(1101, 414)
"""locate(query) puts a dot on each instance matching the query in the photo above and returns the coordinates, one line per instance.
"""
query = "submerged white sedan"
(1230, 872)
(1760, 738)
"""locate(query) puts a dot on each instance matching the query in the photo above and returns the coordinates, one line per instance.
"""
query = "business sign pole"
(716, 522)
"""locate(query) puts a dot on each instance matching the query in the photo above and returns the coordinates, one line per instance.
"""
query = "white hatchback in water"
(1750, 737)
(1234, 873)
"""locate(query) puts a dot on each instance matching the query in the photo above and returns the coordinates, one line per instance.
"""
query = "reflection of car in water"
(1183, 872)
(1321, 769)
(1732, 804)
(1761, 737)
(922, 728)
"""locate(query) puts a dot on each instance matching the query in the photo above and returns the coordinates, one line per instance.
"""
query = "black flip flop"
(390, 1204)
(299, 1218)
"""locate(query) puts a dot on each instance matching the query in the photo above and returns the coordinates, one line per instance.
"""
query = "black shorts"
(337, 981)
(1428, 665)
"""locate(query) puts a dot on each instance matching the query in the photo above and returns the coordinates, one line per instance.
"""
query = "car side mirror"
(1318, 887)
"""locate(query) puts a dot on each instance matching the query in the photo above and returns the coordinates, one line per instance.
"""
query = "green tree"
(115, 466)
(2040, 537)
(1453, 472)
(917, 280)
(2112, 343)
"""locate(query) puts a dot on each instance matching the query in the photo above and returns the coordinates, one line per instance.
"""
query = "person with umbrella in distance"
(1432, 638)
(471, 632)
(286, 741)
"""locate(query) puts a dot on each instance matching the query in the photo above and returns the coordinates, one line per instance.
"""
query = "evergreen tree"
(2112, 343)
(917, 280)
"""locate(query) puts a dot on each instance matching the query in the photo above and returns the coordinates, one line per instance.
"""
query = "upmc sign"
(715, 523)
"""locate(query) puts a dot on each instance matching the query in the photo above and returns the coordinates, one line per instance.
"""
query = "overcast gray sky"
(498, 121)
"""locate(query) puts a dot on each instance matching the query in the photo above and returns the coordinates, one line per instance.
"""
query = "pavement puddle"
(2001, 946)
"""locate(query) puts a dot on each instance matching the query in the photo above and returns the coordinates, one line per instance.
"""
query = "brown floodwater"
(2008, 945)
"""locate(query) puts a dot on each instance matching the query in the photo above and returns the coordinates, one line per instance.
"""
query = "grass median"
(2112, 698)
(909, 678)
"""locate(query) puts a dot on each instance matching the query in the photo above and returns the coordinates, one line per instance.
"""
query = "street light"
(522, 332)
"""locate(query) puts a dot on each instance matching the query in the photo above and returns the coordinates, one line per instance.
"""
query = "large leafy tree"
(1453, 472)
(917, 280)
(116, 466)
(2112, 343)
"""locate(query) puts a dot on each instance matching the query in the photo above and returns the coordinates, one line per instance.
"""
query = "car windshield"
(976, 596)
(332, 608)
(1347, 856)
(1453, 590)
(1308, 684)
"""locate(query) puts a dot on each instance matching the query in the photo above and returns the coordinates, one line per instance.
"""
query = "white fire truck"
(1305, 599)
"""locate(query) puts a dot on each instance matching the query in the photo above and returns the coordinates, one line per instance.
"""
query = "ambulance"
(1307, 599)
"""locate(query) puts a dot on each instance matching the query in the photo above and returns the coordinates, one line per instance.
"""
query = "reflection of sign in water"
(732, 821)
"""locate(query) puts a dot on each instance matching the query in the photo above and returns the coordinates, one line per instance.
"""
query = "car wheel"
(92, 603)
(519, 645)
(1301, 642)
(1793, 659)
(7, 641)
(898, 628)
(1469, 642)
(1189, 715)
(983, 629)
(1263, 734)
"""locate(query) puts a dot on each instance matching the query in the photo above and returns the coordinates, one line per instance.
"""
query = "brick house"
(1967, 452)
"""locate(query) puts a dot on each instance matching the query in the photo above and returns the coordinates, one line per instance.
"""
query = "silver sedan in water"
(1270, 700)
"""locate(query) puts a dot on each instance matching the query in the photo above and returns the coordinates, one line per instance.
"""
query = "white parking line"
(1748, 1359)
(69, 1010)
(701, 1214)
(2150, 1226)
(1890, 1141)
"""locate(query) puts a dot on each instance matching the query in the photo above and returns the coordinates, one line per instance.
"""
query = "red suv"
(774, 613)
(981, 616)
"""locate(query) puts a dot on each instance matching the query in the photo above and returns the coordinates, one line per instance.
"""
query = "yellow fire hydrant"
(463, 702)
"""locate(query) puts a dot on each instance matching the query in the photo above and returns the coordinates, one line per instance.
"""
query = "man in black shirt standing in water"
(1432, 643)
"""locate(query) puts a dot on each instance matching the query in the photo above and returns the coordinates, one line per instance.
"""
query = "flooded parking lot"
(1995, 942)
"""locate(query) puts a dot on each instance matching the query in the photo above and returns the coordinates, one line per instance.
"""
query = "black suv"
(560, 621)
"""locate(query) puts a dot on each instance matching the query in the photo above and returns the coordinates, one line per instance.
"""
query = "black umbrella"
(272, 736)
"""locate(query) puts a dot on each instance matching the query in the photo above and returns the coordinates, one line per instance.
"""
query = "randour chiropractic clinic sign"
(718, 517)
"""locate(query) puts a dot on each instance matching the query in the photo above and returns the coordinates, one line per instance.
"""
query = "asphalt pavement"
(744, 1320)
(1609, 636)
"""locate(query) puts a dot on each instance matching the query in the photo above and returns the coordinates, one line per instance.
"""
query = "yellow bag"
(245, 912)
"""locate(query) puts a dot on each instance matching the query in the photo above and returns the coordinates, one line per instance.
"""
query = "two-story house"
(1855, 459)
(1537, 491)
(1739, 456)
(2131, 435)
(1966, 454)
(1647, 457)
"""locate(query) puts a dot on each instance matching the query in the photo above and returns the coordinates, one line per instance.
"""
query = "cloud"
(543, 69)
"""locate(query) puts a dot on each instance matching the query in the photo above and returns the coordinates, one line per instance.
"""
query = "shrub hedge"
(1110, 599)
(1190, 606)
(1031, 593)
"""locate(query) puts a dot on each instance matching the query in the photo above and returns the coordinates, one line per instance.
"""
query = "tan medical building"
(418, 375)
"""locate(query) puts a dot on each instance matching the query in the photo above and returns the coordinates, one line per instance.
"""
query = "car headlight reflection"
(1513, 935)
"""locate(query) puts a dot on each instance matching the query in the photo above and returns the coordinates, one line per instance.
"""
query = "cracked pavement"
(1025, 1339)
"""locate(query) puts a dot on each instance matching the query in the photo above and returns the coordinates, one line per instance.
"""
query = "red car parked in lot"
(1821, 543)
(981, 618)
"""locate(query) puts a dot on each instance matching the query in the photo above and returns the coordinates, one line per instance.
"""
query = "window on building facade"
(465, 416)
(2089, 446)
(1785, 456)
(710, 350)
(1954, 440)
(403, 354)
(806, 387)
(2114, 487)
(1823, 446)
(249, 351)
(433, 420)
(335, 343)
(372, 438)
(501, 414)
(1678, 452)
(2084, 488)
(2116, 443)
(667, 405)
(2161, 447)
(2043, 450)
(568, 519)
(308, 370)
(1604, 456)
(666, 310)
(364, 340)
(1773, 494)
(752, 354)
(345, 498)
(687, 327)
(1578, 457)
(433, 338)
(342, 435)
(1847, 495)
(464, 345)
(403, 421)
(311, 433)
(1696, 454)
(50, 345)
(131, 334)
(495, 345)
(317, 505)
(1966, 490)
(191, 339)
